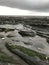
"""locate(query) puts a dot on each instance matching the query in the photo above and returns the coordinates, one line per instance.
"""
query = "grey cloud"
(37, 5)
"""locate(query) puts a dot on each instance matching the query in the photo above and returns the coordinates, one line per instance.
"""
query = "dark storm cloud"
(37, 5)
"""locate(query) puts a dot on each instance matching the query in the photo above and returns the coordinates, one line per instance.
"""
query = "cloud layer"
(33, 5)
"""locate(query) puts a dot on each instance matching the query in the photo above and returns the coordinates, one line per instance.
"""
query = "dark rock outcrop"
(27, 33)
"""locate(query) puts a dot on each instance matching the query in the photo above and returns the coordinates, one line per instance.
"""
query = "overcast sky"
(24, 7)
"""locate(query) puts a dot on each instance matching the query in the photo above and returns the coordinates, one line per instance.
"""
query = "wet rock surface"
(36, 43)
(29, 59)
(1, 63)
